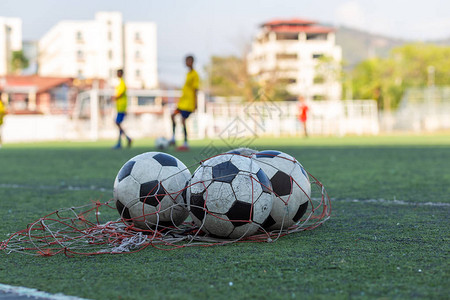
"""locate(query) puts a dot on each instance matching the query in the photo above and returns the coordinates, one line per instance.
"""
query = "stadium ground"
(388, 236)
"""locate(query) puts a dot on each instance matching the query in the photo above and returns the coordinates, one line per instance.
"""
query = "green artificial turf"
(368, 249)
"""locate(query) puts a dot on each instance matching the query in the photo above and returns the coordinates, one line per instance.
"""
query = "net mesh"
(96, 228)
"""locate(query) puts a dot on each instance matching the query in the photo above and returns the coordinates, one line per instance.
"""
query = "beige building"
(302, 54)
(97, 48)
(10, 40)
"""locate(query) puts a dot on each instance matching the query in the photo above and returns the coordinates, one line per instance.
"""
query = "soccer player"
(187, 103)
(303, 113)
(2, 114)
(120, 98)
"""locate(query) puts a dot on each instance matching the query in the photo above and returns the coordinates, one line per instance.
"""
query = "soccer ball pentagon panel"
(148, 190)
(229, 196)
(291, 187)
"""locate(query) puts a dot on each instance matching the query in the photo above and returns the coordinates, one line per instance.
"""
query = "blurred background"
(362, 67)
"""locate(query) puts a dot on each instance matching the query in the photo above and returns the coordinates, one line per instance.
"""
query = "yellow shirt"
(2, 112)
(187, 100)
(121, 96)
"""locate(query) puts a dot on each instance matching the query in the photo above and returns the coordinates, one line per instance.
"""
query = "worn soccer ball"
(291, 186)
(149, 190)
(229, 196)
(161, 143)
(242, 151)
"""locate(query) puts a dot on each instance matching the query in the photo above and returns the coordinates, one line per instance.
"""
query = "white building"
(302, 54)
(97, 48)
(10, 40)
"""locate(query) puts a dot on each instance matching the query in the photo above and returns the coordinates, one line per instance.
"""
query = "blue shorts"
(120, 117)
(184, 113)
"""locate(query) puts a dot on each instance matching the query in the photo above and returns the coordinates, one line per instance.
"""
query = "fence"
(149, 116)
(421, 109)
(281, 118)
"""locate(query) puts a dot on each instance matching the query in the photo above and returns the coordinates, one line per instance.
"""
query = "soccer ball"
(229, 196)
(148, 190)
(242, 151)
(161, 143)
(291, 187)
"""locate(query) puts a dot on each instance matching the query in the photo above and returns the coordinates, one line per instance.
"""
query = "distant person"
(2, 114)
(187, 103)
(303, 113)
(120, 98)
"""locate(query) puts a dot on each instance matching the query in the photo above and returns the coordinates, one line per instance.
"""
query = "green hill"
(358, 45)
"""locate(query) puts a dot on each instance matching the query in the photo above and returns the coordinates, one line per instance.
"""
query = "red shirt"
(303, 110)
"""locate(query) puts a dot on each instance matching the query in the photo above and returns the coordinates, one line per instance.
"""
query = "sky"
(225, 27)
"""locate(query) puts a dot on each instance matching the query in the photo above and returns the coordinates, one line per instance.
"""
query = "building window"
(318, 97)
(317, 36)
(287, 36)
(80, 55)
(319, 79)
(137, 36)
(109, 36)
(287, 56)
(137, 55)
(317, 55)
(110, 54)
(80, 74)
(138, 73)
(79, 36)
(288, 80)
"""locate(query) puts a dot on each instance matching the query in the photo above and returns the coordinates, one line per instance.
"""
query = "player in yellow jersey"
(2, 114)
(188, 101)
(120, 98)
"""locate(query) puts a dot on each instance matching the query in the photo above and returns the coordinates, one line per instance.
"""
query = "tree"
(385, 80)
(18, 61)
(228, 76)
(327, 71)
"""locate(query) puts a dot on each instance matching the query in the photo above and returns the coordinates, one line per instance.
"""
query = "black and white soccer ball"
(161, 143)
(229, 196)
(291, 186)
(243, 151)
(149, 190)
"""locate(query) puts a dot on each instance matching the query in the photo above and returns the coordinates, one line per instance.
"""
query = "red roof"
(294, 21)
(296, 25)
(306, 29)
(42, 84)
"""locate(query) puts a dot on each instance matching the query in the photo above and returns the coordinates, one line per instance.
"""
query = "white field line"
(103, 189)
(33, 293)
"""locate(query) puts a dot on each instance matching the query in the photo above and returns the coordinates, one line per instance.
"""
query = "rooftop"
(39, 83)
(296, 25)
(295, 21)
